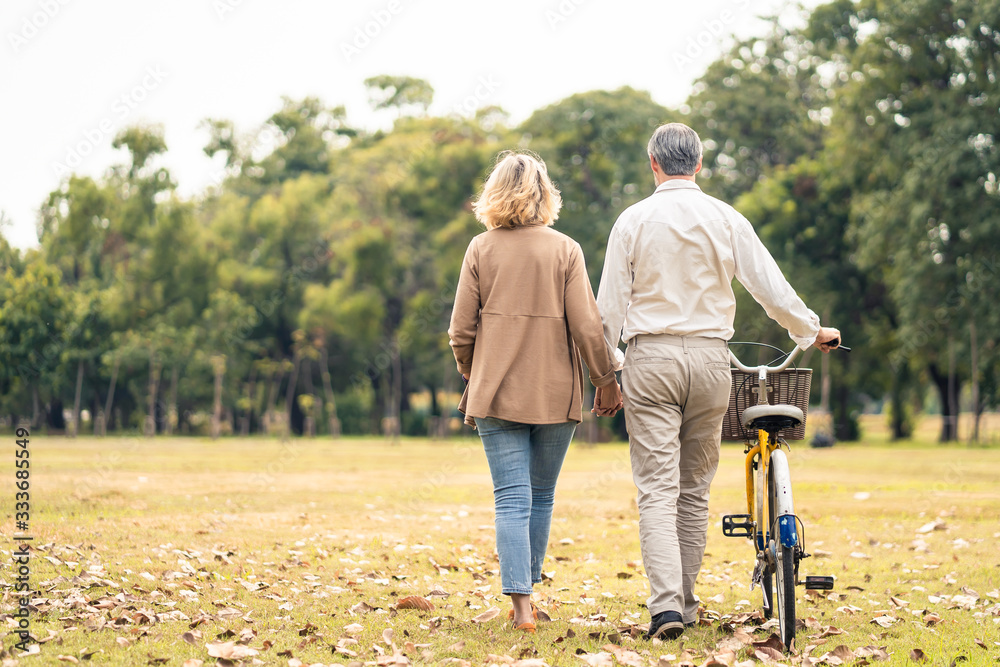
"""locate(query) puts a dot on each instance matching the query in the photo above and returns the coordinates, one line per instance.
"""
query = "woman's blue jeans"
(525, 460)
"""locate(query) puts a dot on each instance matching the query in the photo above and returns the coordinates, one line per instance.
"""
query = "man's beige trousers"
(676, 391)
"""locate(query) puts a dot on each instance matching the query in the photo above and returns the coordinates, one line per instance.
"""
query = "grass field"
(175, 551)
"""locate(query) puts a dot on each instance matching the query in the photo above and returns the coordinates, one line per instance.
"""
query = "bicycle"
(780, 539)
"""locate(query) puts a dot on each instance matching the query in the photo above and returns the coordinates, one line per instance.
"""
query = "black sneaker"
(666, 625)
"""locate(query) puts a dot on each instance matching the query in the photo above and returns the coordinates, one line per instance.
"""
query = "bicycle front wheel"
(782, 544)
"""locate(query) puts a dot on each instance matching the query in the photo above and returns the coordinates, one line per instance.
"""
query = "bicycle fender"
(785, 510)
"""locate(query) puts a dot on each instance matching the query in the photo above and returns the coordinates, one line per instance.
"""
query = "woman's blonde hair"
(518, 193)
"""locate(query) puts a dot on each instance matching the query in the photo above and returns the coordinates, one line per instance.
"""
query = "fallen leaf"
(768, 654)
(932, 619)
(230, 650)
(830, 631)
(387, 635)
(597, 659)
(772, 642)
(67, 658)
(843, 653)
(415, 602)
(457, 646)
(193, 662)
(877, 653)
(362, 608)
(487, 615)
(353, 629)
(884, 621)
(917, 655)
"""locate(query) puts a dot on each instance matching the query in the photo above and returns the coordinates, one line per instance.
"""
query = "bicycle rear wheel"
(782, 592)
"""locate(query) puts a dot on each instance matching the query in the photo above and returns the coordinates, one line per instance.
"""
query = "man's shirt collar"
(677, 184)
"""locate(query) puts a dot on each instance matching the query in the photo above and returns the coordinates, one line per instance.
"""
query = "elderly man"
(666, 291)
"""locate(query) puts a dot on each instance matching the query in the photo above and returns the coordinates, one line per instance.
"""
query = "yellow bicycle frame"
(765, 461)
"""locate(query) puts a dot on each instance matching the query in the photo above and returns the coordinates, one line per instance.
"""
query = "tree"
(34, 315)
(399, 92)
(915, 132)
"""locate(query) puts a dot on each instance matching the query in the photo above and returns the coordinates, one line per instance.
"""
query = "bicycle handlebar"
(784, 364)
(756, 369)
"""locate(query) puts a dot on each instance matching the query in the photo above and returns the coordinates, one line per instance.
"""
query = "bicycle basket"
(790, 386)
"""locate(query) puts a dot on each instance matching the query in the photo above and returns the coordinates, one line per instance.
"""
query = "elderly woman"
(524, 316)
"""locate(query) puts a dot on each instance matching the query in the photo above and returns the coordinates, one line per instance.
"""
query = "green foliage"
(319, 268)
(399, 92)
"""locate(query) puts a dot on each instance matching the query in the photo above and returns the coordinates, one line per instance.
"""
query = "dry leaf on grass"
(932, 619)
(597, 659)
(487, 615)
(352, 629)
(768, 654)
(415, 602)
(917, 655)
(230, 650)
(772, 642)
(884, 621)
(878, 654)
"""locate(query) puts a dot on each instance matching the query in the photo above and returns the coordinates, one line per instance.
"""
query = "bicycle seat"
(772, 417)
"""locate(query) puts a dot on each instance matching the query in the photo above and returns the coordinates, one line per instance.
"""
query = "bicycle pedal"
(814, 583)
(737, 525)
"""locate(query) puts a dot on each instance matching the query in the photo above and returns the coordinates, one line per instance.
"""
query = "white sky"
(65, 66)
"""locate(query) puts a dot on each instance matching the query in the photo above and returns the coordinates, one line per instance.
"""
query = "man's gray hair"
(676, 148)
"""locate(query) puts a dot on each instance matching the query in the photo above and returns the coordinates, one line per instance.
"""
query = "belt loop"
(684, 343)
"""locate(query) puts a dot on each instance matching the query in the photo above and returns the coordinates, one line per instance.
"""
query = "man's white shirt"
(670, 265)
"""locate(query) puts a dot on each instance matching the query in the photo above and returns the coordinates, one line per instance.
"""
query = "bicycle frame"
(766, 448)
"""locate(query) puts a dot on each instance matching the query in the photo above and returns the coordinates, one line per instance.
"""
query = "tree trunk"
(290, 394)
(272, 398)
(309, 428)
(154, 383)
(395, 398)
(952, 391)
(219, 369)
(331, 402)
(976, 412)
(942, 382)
(251, 388)
(76, 399)
(172, 416)
(106, 416)
(35, 412)
(900, 425)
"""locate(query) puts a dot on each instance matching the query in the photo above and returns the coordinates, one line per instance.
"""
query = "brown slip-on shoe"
(526, 627)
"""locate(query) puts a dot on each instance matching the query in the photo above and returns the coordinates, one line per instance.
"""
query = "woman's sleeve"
(465, 313)
(585, 321)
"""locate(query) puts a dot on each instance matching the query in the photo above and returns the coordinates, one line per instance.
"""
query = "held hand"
(607, 400)
(825, 336)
